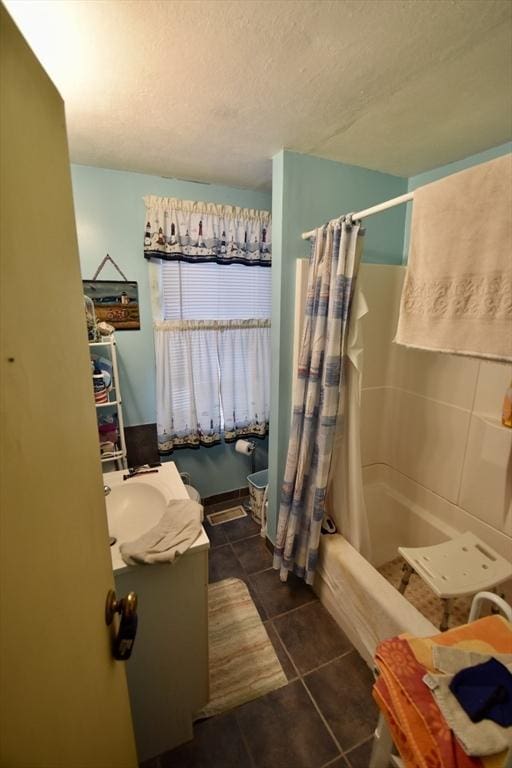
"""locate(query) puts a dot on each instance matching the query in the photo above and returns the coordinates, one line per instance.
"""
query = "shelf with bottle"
(104, 377)
(108, 401)
(112, 456)
(108, 341)
(109, 434)
(102, 381)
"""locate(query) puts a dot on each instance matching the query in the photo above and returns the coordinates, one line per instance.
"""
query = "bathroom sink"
(136, 505)
(134, 508)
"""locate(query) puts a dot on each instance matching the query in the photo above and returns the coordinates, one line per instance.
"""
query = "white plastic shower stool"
(461, 566)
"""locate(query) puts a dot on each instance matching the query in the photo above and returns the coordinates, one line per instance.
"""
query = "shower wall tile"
(493, 380)
(434, 422)
(447, 378)
(381, 286)
(453, 517)
(375, 417)
(376, 473)
(486, 490)
(428, 441)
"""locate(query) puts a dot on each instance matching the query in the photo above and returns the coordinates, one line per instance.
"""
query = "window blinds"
(212, 291)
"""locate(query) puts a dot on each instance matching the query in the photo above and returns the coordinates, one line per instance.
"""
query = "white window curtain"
(212, 342)
(244, 361)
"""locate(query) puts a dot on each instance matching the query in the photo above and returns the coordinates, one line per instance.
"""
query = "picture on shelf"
(115, 302)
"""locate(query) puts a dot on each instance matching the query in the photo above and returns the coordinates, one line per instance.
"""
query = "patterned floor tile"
(215, 533)
(253, 554)
(223, 564)
(279, 597)
(360, 756)
(342, 690)
(311, 636)
(241, 528)
(217, 743)
(283, 730)
(286, 664)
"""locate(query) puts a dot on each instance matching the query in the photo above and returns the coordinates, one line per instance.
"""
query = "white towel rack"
(407, 198)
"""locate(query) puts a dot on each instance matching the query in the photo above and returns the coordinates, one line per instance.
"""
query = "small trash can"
(258, 482)
(193, 493)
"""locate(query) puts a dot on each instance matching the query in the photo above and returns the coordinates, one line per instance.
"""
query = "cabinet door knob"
(124, 639)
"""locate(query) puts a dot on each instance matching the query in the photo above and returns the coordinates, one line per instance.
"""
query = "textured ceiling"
(211, 89)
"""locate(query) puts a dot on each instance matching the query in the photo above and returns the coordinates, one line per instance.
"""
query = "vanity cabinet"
(168, 671)
(109, 407)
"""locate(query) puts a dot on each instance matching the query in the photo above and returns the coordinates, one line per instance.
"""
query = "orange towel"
(418, 729)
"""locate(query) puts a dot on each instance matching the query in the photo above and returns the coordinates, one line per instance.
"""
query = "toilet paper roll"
(244, 446)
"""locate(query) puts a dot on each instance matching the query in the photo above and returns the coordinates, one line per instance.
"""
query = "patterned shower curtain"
(334, 262)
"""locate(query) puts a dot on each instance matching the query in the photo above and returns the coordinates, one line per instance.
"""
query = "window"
(213, 353)
(211, 286)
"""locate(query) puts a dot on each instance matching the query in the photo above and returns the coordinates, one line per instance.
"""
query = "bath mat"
(243, 663)
(225, 515)
(419, 595)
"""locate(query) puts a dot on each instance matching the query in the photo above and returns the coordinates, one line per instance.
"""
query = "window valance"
(183, 230)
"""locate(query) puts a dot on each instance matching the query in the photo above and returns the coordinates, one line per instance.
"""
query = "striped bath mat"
(243, 663)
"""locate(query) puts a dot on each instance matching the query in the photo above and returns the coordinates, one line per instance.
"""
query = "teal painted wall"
(446, 170)
(307, 191)
(110, 219)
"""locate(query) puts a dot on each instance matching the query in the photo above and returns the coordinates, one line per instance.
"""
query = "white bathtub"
(168, 670)
(400, 513)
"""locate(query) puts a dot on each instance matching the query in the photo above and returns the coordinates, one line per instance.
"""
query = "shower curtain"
(321, 377)
(345, 495)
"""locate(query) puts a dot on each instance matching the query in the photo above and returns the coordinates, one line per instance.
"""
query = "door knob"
(126, 607)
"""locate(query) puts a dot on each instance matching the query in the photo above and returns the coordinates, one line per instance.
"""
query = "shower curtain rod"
(370, 211)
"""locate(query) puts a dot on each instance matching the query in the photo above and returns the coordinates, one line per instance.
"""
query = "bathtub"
(168, 670)
(400, 513)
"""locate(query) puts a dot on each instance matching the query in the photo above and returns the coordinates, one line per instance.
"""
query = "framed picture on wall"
(115, 302)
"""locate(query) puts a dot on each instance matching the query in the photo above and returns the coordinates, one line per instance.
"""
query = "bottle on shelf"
(107, 397)
(99, 385)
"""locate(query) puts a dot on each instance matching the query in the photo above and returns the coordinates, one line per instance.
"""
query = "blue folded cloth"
(485, 692)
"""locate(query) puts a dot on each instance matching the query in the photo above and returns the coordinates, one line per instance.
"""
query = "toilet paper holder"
(248, 448)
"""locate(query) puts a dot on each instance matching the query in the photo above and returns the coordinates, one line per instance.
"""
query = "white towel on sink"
(177, 530)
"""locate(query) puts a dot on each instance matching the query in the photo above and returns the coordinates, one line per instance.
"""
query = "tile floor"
(325, 715)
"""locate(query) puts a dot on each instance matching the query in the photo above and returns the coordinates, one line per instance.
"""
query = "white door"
(64, 700)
